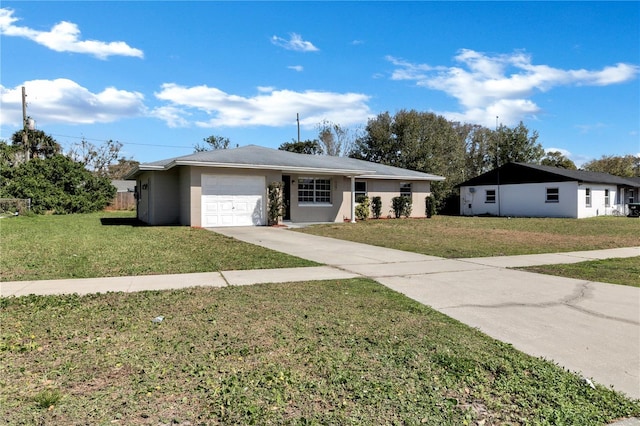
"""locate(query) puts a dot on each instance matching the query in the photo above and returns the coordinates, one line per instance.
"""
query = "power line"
(123, 143)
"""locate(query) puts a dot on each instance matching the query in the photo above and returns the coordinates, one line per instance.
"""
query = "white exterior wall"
(523, 200)
(597, 207)
(529, 200)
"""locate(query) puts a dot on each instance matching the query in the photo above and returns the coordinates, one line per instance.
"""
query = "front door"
(286, 197)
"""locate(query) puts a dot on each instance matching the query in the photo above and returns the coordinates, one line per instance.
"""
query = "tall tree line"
(430, 143)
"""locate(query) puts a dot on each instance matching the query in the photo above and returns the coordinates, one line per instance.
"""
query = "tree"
(97, 158)
(478, 141)
(121, 168)
(514, 144)
(212, 143)
(418, 141)
(40, 144)
(9, 155)
(58, 184)
(334, 139)
(557, 159)
(311, 147)
(378, 144)
(624, 166)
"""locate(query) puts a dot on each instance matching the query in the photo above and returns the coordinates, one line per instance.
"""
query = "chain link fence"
(15, 205)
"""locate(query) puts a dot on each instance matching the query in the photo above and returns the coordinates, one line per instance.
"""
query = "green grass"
(309, 353)
(615, 271)
(461, 237)
(81, 246)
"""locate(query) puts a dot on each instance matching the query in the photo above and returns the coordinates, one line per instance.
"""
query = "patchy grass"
(112, 244)
(460, 237)
(332, 352)
(615, 271)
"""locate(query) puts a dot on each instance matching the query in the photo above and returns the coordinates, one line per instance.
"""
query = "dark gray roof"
(258, 157)
(514, 173)
(124, 185)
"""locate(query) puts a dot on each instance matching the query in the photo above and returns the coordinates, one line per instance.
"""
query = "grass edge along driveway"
(323, 352)
(108, 244)
(468, 237)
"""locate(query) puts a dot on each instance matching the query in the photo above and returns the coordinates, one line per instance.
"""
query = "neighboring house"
(518, 189)
(124, 199)
(228, 187)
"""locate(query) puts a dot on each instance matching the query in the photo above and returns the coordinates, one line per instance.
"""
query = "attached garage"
(233, 200)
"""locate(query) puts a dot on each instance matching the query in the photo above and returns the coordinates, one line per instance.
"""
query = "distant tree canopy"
(335, 140)
(311, 147)
(100, 159)
(212, 143)
(624, 166)
(429, 143)
(557, 159)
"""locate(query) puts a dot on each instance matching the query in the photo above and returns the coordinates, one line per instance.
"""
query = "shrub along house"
(530, 190)
(228, 187)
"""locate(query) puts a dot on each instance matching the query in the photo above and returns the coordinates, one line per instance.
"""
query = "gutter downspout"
(353, 199)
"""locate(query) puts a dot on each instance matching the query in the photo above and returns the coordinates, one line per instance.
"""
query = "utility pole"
(298, 120)
(25, 125)
(498, 166)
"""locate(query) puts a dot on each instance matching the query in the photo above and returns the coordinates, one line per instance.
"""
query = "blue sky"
(161, 76)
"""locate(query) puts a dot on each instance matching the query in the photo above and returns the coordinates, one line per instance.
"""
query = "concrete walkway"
(588, 327)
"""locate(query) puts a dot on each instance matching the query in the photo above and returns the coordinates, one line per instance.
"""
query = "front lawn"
(615, 271)
(460, 237)
(314, 353)
(108, 244)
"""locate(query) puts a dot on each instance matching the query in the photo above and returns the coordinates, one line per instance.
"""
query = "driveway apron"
(590, 328)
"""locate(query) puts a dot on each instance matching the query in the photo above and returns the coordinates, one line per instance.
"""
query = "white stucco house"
(228, 187)
(530, 190)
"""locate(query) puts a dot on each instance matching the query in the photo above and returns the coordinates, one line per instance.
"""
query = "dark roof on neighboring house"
(515, 173)
(124, 185)
(257, 157)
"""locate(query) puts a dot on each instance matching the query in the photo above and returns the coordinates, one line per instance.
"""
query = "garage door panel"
(232, 200)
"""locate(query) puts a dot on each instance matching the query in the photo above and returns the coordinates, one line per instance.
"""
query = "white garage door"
(229, 200)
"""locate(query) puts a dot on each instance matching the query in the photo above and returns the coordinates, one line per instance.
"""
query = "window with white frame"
(606, 198)
(361, 190)
(490, 196)
(314, 190)
(587, 197)
(405, 189)
(631, 196)
(553, 195)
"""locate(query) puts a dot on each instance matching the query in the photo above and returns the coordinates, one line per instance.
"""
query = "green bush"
(376, 207)
(57, 184)
(362, 209)
(401, 206)
(430, 206)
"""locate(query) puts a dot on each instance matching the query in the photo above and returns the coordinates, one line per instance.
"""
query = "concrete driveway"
(587, 327)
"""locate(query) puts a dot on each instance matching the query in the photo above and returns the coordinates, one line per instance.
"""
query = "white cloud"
(65, 101)
(65, 37)
(298, 68)
(295, 42)
(269, 107)
(487, 86)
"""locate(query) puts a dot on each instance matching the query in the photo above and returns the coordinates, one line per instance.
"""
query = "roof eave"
(315, 170)
(393, 177)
